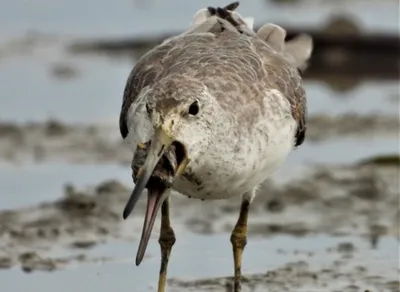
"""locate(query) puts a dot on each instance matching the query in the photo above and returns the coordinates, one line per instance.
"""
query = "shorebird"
(211, 114)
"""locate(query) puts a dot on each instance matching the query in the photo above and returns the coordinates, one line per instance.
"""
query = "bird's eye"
(194, 108)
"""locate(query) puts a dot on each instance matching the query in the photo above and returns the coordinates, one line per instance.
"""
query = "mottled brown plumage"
(204, 56)
(212, 113)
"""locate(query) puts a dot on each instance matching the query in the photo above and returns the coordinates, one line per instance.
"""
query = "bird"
(211, 114)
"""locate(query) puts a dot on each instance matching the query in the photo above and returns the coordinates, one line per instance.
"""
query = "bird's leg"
(239, 240)
(166, 241)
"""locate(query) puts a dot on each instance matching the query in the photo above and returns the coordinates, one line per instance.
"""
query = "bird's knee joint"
(167, 238)
(166, 244)
(239, 240)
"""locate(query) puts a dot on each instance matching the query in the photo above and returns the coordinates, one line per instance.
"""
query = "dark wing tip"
(225, 13)
(212, 10)
(232, 6)
(123, 127)
(300, 136)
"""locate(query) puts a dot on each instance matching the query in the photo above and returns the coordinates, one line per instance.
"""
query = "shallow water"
(29, 184)
(95, 95)
(365, 98)
(108, 18)
(261, 255)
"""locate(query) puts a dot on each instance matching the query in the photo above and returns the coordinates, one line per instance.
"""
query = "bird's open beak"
(160, 143)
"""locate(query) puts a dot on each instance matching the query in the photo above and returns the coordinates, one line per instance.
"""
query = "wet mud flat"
(339, 276)
(358, 201)
(52, 139)
(331, 228)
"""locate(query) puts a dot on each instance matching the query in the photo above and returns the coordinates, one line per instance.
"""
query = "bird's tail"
(203, 14)
(298, 49)
(202, 21)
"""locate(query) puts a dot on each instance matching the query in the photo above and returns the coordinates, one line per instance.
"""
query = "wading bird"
(212, 113)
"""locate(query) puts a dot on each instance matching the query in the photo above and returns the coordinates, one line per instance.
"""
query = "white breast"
(236, 164)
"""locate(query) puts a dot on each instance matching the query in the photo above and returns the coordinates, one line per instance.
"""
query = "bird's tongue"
(157, 191)
(155, 197)
(151, 213)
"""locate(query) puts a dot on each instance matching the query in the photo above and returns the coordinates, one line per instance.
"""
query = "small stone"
(346, 247)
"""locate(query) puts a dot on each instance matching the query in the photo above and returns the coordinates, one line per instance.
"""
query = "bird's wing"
(283, 70)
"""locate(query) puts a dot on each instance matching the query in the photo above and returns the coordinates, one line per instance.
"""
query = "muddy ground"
(102, 143)
(360, 200)
(299, 276)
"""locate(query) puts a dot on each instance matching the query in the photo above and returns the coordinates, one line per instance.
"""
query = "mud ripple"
(79, 143)
(297, 277)
(358, 200)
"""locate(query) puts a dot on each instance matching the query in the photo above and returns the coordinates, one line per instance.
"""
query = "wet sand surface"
(328, 221)
(328, 228)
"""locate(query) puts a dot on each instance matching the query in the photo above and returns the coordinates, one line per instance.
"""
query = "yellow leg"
(166, 240)
(141, 146)
(239, 240)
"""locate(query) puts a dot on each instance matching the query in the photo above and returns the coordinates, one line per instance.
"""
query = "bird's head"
(181, 113)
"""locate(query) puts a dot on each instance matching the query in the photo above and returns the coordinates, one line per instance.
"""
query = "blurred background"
(332, 210)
